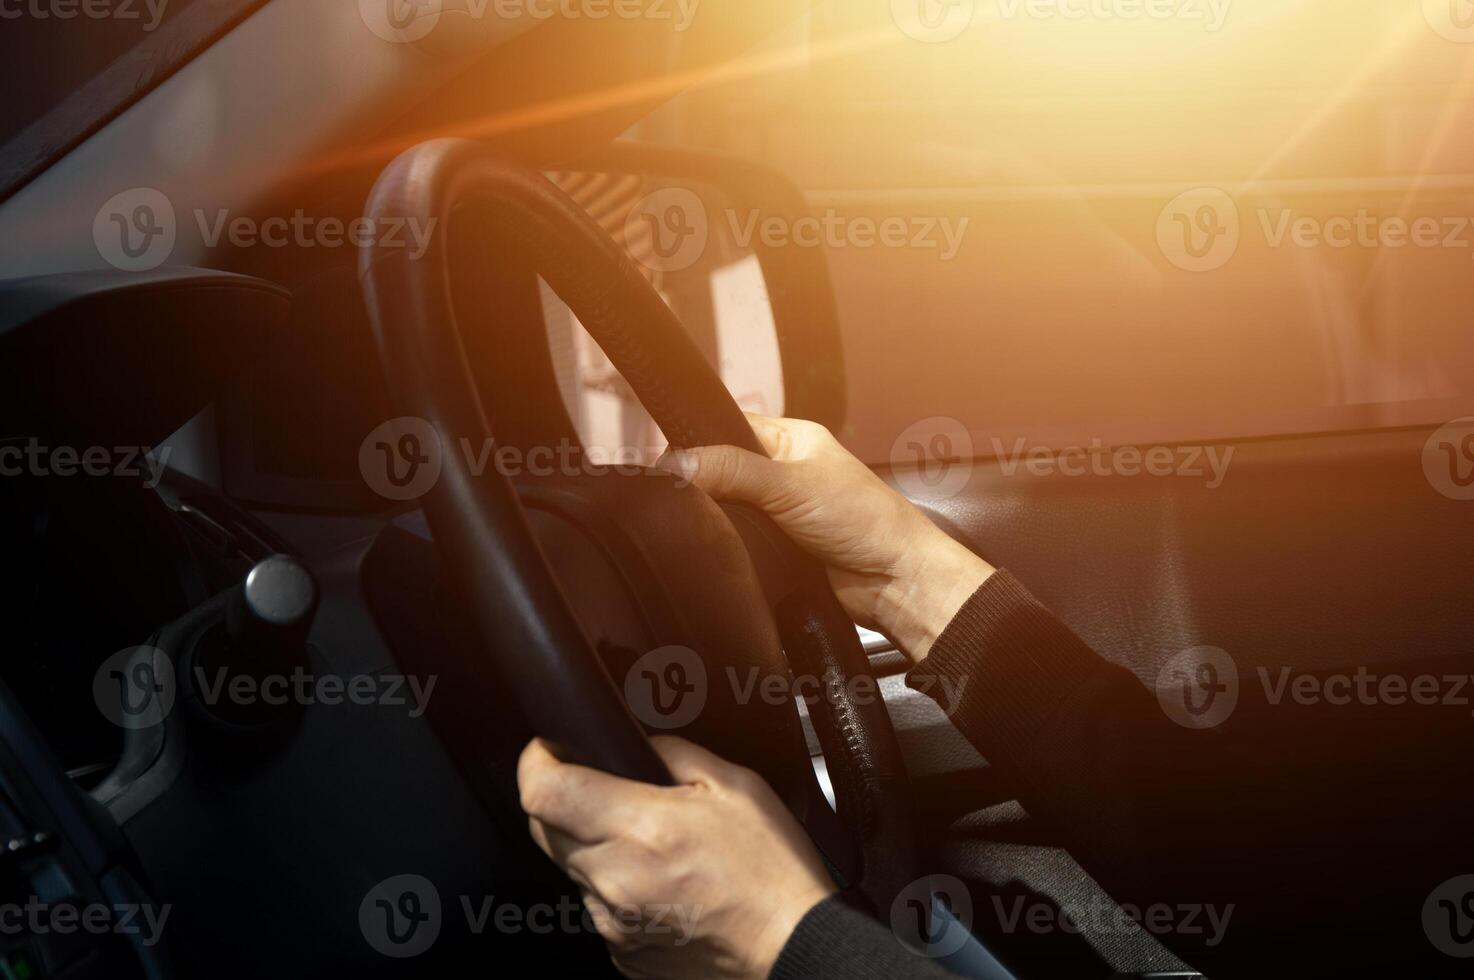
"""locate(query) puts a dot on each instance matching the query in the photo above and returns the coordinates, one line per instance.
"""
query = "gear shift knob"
(260, 650)
(269, 615)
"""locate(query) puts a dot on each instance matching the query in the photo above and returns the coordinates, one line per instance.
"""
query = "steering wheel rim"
(59, 835)
(483, 534)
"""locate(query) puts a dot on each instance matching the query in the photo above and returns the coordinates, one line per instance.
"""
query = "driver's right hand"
(892, 568)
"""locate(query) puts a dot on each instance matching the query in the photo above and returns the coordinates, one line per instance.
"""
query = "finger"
(610, 928)
(584, 803)
(789, 440)
(775, 434)
(598, 910)
(726, 472)
(630, 963)
(558, 846)
(576, 859)
(691, 764)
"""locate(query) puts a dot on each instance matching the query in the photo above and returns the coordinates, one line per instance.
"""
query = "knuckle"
(733, 467)
(613, 891)
(542, 792)
(744, 781)
(723, 464)
(532, 794)
(816, 434)
(610, 930)
(659, 837)
(784, 446)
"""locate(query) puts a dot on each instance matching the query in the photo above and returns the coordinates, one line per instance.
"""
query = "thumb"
(725, 472)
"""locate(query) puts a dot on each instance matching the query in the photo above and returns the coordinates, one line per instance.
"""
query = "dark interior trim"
(155, 58)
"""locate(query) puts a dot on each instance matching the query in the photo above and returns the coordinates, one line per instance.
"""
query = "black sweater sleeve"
(835, 941)
(1282, 822)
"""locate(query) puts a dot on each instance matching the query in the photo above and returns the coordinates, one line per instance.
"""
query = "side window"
(1256, 220)
(714, 286)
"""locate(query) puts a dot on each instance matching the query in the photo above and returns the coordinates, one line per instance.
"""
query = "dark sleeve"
(1274, 810)
(835, 941)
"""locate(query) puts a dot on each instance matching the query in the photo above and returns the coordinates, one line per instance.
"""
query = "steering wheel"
(64, 852)
(489, 549)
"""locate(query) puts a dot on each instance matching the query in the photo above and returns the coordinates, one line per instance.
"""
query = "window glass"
(713, 284)
(1126, 222)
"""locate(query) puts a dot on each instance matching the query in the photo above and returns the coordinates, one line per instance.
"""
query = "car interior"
(1012, 254)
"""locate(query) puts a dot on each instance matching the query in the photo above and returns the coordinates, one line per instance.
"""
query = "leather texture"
(855, 732)
(863, 753)
(492, 556)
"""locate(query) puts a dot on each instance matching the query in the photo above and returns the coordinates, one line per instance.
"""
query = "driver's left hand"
(704, 879)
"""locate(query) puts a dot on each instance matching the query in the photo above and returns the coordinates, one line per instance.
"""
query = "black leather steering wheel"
(478, 521)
